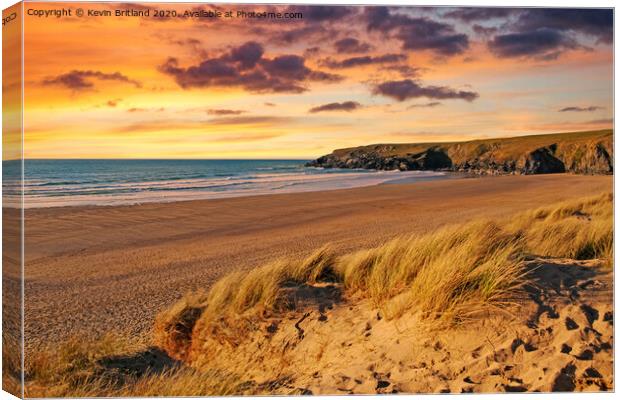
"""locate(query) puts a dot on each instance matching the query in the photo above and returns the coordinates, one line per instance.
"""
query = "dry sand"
(90, 270)
(557, 337)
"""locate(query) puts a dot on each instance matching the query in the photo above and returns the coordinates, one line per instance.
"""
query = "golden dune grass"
(438, 275)
(446, 277)
(580, 229)
(11, 365)
(77, 369)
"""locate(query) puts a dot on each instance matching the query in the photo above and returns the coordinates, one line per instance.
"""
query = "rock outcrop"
(430, 159)
(577, 152)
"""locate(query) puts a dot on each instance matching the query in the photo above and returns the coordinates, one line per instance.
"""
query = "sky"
(340, 76)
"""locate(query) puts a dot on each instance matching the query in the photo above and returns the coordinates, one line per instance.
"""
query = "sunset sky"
(130, 87)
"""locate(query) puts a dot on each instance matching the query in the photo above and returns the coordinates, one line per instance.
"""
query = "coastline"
(92, 269)
(170, 190)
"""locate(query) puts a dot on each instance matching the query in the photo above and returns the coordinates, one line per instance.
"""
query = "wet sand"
(91, 270)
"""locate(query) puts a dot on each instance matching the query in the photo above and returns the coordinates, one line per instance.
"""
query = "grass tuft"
(173, 327)
(72, 367)
(233, 302)
(87, 369)
(578, 229)
(436, 274)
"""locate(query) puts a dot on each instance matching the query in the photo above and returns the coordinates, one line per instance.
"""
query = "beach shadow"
(549, 279)
(304, 296)
(558, 277)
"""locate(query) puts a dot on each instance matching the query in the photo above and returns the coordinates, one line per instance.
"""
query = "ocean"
(53, 183)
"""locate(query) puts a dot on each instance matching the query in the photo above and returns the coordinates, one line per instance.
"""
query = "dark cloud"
(409, 89)
(268, 104)
(479, 13)
(546, 33)
(292, 67)
(429, 36)
(246, 55)
(417, 33)
(484, 30)
(83, 80)
(380, 18)
(351, 45)
(364, 60)
(344, 106)
(580, 109)
(543, 43)
(425, 105)
(288, 66)
(225, 112)
(305, 33)
(597, 23)
(312, 51)
(404, 70)
(246, 67)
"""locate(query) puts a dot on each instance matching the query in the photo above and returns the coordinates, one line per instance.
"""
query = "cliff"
(576, 152)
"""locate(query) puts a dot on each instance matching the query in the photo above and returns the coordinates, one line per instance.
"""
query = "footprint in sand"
(571, 324)
(565, 380)
(591, 313)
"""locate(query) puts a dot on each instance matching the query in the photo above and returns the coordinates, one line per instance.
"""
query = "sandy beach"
(91, 270)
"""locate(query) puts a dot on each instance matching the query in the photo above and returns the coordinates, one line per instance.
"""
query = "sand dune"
(465, 308)
(559, 338)
(90, 270)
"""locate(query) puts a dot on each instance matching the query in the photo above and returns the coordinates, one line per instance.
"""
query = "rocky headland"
(574, 152)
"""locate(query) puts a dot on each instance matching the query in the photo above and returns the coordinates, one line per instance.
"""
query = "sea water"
(49, 183)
